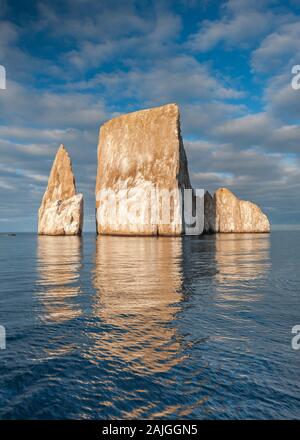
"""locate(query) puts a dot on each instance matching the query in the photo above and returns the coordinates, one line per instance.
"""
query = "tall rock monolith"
(142, 172)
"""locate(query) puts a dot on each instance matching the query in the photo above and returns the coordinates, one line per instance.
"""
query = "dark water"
(114, 327)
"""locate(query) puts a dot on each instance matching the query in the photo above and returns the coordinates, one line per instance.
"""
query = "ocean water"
(157, 328)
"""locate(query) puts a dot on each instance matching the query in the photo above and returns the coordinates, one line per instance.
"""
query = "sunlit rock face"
(235, 215)
(61, 211)
(141, 158)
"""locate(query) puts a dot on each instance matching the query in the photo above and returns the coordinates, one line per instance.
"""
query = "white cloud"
(279, 50)
(28, 106)
(249, 131)
(179, 78)
(242, 24)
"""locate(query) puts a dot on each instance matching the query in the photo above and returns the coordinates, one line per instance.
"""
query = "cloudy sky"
(73, 64)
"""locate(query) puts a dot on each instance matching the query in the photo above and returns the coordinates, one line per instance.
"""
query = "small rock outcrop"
(61, 211)
(140, 154)
(235, 215)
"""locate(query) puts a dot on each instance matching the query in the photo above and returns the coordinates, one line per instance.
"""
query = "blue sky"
(71, 65)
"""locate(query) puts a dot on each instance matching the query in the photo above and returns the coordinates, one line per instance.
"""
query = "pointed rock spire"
(61, 211)
(61, 183)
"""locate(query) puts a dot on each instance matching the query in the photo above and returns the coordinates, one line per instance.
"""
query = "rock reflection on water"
(241, 259)
(242, 256)
(138, 282)
(160, 321)
(59, 261)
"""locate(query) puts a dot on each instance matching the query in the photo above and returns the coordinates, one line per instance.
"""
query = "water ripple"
(117, 327)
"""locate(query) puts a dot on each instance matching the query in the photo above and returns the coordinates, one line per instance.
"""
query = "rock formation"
(209, 213)
(61, 211)
(141, 159)
(227, 213)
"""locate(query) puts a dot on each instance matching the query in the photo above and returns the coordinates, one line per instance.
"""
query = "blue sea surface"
(151, 328)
